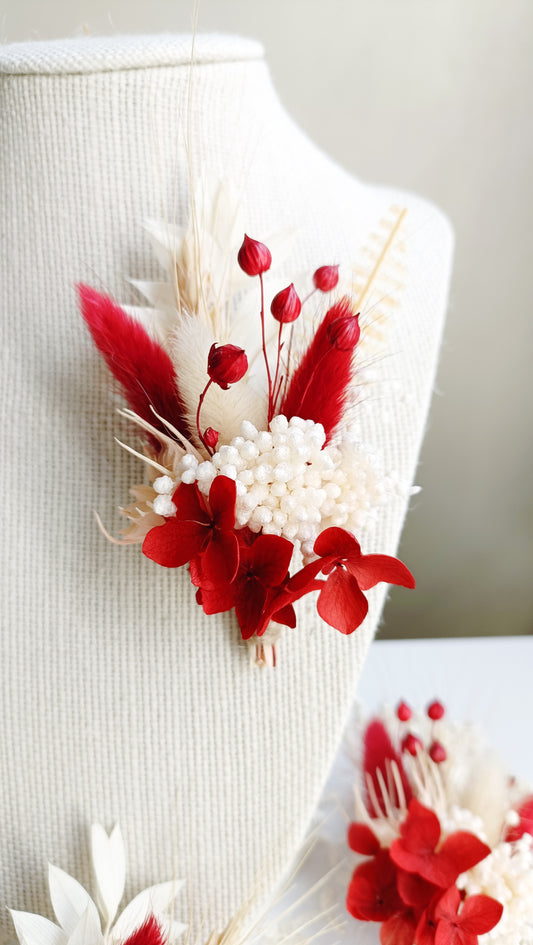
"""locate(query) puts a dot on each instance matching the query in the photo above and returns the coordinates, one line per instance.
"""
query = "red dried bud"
(286, 305)
(437, 753)
(254, 257)
(412, 744)
(211, 438)
(226, 364)
(435, 710)
(344, 332)
(403, 712)
(326, 278)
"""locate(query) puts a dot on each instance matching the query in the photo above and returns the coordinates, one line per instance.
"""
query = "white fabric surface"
(120, 699)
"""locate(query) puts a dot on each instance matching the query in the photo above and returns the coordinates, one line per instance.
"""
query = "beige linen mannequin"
(120, 699)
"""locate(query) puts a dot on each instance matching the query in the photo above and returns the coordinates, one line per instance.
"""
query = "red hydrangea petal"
(362, 840)
(250, 596)
(399, 929)
(190, 504)
(305, 578)
(480, 914)
(222, 498)
(337, 543)
(372, 893)
(370, 570)
(175, 543)
(415, 891)
(220, 560)
(341, 603)
(420, 832)
(286, 616)
(270, 557)
(216, 600)
(461, 851)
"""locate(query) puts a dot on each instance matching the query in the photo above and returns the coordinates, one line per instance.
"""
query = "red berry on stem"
(211, 438)
(412, 744)
(435, 710)
(437, 753)
(326, 278)
(226, 364)
(403, 712)
(344, 332)
(254, 258)
(286, 305)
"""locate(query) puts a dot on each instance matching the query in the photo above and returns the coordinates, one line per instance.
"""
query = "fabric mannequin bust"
(121, 700)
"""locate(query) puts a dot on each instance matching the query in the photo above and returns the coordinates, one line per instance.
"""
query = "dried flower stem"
(263, 339)
(200, 402)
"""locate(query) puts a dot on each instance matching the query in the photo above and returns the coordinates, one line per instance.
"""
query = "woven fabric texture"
(120, 699)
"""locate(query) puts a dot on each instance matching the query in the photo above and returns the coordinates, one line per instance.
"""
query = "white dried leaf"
(36, 930)
(69, 899)
(109, 864)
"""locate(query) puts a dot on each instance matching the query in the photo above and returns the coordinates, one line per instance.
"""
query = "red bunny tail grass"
(150, 933)
(140, 365)
(318, 388)
(379, 755)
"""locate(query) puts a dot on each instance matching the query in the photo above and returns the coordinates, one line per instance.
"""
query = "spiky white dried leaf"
(36, 929)
(156, 900)
(109, 865)
(69, 899)
(87, 931)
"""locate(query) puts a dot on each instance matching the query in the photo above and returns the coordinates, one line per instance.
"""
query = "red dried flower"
(400, 929)
(254, 257)
(437, 753)
(200, 532)
(403, 712)
(211, 437)
(341, 601)
(411, 744)
(326, 278)
(372, 893)
(226, 364)
(344, 332)
(362, 840)
(416, 849)
(286, 305)
(460, 923)
(435, 710)
(262, 574)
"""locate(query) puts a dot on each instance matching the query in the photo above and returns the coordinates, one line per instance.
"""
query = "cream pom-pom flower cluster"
(289, 482)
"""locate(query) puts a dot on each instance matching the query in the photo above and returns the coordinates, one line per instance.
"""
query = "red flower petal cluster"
(236, 568)
(205, 535)
(410, 887)
(349, 573)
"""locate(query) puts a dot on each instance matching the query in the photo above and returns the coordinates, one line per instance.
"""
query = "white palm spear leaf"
(78, 918)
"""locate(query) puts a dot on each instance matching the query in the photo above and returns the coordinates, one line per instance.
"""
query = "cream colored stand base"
(120, 700)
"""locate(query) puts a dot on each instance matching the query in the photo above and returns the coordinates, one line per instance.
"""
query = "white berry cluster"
(288, 482)
(506, 875)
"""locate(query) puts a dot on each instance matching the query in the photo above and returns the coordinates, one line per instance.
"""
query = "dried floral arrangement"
(443, 835)
(258, 483)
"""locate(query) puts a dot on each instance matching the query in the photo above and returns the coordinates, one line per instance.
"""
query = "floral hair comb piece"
(254, 468)
(443, 835)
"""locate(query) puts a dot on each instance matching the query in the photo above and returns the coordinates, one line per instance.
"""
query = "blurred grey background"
(434, 96)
